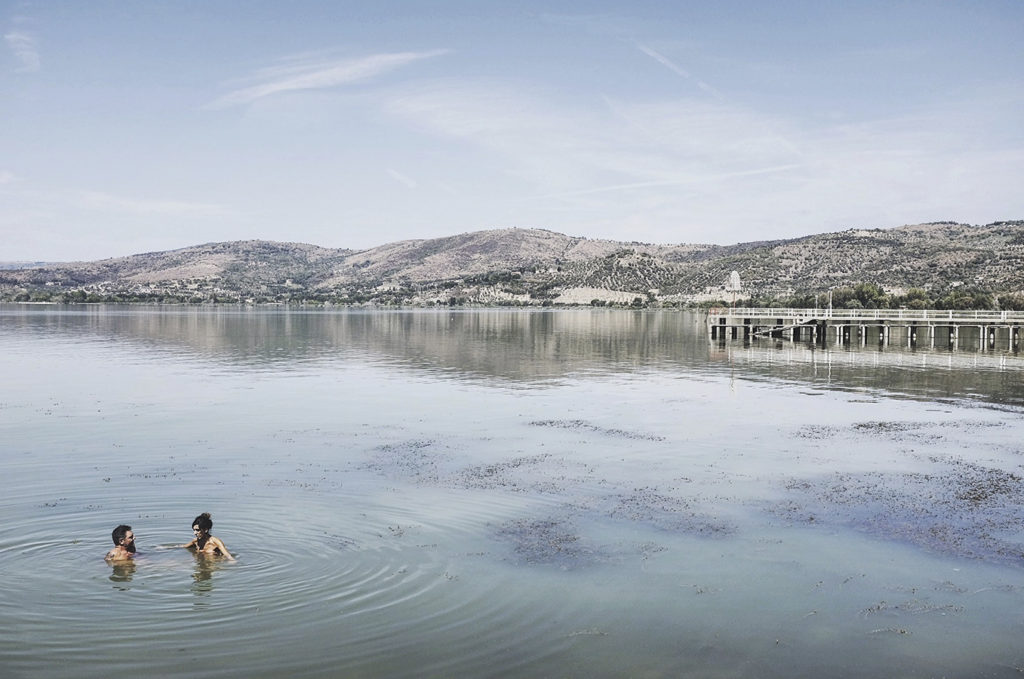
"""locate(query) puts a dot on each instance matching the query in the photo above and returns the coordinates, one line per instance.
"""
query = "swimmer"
(203, 542)
(124, 544)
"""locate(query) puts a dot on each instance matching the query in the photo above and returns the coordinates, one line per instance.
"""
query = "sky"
(129, 127)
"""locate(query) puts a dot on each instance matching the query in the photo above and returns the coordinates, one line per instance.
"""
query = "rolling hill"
(535, 266)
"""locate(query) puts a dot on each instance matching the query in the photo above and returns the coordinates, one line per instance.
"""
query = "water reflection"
(122, 573)
(922, 373)
(203, 569)
(504, 344)
(514, 347)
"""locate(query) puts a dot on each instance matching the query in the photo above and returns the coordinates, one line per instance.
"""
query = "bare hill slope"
(526, 265)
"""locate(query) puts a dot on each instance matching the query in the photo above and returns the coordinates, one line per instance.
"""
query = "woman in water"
(203, 542)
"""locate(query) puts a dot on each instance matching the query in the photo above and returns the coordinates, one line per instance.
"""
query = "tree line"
(872, 296)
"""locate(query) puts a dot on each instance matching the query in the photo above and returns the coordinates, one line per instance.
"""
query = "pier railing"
(949, 327)
(890, 315)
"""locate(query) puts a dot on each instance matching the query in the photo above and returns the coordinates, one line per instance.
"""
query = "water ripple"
(343, 583)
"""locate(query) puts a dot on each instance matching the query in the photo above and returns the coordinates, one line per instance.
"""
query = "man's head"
(123, 537)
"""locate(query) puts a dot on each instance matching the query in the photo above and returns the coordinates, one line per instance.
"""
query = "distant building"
(734, 284)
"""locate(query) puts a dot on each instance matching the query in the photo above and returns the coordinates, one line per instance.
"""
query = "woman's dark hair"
(204, 522)
(119, 533)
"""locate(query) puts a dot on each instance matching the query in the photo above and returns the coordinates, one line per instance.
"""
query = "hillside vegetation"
(932, 262)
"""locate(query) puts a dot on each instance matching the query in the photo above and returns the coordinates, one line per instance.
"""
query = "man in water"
(124, 544)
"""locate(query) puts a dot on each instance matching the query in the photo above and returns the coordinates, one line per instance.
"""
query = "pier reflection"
(918, 373)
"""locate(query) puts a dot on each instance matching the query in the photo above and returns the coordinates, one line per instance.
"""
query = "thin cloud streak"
(97, 200)
(409, 182)
(25, 50)
(561, 151)
(682, 181)
(675, 68)
(765, 171)
(290, 78)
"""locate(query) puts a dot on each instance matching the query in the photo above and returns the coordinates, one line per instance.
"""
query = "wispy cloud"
(97, 200)
(562, 150)
(677, 69)
(7, 177)
(402, 179)
(701, 163)
(23, 45)
(303, 73)
(680, 181)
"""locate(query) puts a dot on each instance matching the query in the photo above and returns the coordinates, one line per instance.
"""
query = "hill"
(535, 266)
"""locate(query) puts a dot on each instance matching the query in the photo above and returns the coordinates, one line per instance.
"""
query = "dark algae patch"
(668, 512)
(417, 460)
(549, 541)
(962, 508)
(582, 425)
(949, 505)
(897, 431)
(528, 473)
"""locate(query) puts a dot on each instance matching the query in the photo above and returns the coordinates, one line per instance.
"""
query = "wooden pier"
(913, 327)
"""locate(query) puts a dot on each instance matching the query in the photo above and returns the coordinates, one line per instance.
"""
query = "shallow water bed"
(498, 494)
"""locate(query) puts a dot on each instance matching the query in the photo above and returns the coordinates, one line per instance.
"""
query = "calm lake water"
(592, 493)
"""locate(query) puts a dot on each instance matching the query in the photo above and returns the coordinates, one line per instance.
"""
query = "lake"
(502, 493)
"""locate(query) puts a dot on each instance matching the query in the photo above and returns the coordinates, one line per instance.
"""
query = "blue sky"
(134, 127)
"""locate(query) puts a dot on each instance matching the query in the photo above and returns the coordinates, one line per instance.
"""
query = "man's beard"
(130, 547)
